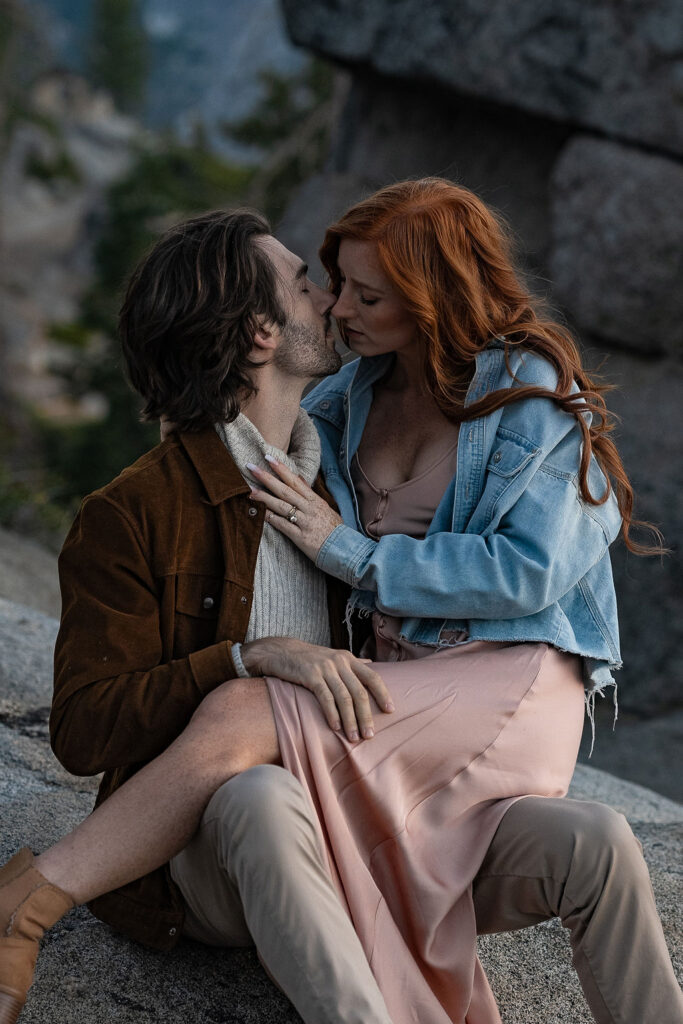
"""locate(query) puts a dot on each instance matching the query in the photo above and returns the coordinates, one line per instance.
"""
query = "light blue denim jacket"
(513, 553)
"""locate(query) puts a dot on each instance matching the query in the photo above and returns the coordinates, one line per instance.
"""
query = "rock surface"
(87, 973)
(28, 574)
(617, 254)
(613, 67)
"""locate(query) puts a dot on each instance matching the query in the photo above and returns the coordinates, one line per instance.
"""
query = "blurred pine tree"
(118, 53)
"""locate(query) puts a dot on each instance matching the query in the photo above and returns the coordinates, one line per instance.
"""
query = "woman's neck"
(406, 374)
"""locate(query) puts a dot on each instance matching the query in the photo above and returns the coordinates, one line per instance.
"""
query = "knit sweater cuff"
(236, 652)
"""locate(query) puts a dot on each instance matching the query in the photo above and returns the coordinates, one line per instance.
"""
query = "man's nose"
(325, 300)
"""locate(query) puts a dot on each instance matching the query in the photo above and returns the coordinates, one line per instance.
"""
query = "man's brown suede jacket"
(157, 582)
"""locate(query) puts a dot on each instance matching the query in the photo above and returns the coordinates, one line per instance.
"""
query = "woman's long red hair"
(450, 259)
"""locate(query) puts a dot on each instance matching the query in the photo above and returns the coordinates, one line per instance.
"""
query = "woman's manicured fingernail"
(271, 458)
(368, 733)
(389, 706)
(336, 726)
(252, 467)
(353, 736)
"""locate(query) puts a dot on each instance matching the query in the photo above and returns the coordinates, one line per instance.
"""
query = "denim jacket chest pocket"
(510, 464)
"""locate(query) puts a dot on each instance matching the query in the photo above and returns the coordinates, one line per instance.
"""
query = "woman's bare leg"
(153, 815)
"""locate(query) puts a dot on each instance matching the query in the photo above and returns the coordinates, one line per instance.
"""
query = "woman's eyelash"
(366, 302)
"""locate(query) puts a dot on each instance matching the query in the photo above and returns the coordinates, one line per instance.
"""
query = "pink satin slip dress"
(405, 818)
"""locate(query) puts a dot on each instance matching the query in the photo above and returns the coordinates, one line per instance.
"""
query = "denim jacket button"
(497, 457)
(324, 405)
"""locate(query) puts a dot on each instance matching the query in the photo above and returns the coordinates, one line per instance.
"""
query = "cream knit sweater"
(290, 593)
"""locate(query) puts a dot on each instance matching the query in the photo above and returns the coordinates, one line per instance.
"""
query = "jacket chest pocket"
(197, 604)
(505, 476)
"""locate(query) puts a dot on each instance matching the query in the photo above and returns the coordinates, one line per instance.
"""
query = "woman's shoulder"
(540, 420)
(529, 367)
(331, 390)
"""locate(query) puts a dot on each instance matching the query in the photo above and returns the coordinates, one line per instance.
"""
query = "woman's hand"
(293, 508)
(339, 680)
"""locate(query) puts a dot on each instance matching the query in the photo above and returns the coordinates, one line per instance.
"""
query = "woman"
(450, 538)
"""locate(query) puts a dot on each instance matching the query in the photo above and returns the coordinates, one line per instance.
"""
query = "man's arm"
(115, 702)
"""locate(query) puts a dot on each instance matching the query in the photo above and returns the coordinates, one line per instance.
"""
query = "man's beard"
(305, 353)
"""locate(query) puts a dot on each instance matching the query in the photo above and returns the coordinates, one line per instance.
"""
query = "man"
(170, 587)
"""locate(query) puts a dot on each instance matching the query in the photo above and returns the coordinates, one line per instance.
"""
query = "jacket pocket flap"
(509, 457)
(198, 595)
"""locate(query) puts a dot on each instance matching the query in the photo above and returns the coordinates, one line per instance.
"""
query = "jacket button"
(207, 603)
(172, 931)
(497, 457)
(253, 511)
(324, 405)
(243, 600)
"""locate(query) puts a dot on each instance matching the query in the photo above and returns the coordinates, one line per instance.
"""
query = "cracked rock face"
(86, 972)
(617, 255)
(615, 67)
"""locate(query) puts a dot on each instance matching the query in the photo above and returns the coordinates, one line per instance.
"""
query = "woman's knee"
(234, 729)
(223, 703)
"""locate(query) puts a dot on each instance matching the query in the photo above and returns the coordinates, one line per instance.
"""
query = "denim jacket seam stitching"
(597, 617)
(559, 474)
(586, 509)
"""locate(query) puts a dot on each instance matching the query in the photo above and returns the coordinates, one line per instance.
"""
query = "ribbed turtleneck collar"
(246, 444)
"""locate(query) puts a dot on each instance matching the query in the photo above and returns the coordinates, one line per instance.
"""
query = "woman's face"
(374, 317)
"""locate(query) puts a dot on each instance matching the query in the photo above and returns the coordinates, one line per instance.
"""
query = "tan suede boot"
(29, 905)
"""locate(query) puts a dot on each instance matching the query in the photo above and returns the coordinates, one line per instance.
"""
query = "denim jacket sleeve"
(522, 558)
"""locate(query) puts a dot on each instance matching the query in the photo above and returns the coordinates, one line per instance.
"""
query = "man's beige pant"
(254, 874)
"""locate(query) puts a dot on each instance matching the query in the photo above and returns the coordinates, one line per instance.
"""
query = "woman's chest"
(403, 440)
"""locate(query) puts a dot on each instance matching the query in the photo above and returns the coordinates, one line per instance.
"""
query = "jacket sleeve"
(538, 551)
(115, 702)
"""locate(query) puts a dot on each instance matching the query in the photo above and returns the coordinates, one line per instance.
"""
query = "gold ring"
(291, 515)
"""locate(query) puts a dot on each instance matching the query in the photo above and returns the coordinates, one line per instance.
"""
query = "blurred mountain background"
(118, 117)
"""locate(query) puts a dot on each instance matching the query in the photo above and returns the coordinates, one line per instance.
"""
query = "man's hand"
(339, 680)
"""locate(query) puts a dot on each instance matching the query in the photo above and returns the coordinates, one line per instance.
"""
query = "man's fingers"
(361, 702)
(376, 686)
(326, 700)
(345, 706)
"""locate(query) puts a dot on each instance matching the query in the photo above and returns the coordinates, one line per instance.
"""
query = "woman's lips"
(353, 334)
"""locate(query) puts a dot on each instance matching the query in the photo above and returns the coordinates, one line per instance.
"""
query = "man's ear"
(265, 339)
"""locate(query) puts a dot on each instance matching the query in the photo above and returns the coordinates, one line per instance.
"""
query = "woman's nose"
(341, 308)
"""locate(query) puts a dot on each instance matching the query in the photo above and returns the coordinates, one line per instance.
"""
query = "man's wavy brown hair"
(189, 316)
(449, 257)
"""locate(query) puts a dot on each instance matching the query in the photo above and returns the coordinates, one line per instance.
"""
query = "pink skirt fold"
(406, 818)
